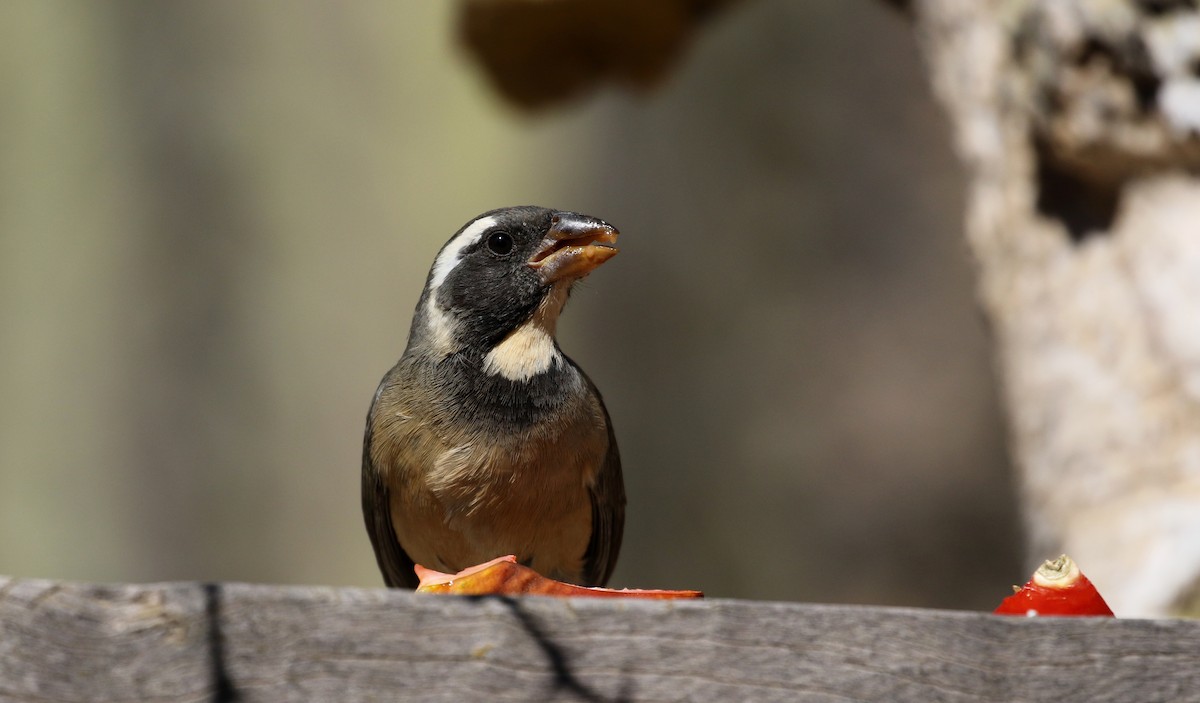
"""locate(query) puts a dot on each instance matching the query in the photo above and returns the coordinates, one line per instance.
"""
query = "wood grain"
(226, 642)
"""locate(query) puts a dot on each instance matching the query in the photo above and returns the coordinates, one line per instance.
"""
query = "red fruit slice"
(1058, 587)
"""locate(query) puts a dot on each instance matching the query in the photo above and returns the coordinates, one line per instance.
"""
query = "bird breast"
(462, 496)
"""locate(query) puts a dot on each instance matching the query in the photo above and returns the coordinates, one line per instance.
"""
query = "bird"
(485, 439)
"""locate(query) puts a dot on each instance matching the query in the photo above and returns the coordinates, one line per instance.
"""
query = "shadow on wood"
(194, 642)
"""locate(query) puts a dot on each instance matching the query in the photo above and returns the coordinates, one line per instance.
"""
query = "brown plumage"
(484, 439)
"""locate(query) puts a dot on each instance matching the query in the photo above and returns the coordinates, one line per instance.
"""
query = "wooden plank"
(80, 642)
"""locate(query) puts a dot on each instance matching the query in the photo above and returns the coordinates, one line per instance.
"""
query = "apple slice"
(505, 577)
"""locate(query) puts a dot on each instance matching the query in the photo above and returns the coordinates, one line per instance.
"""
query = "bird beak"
(573, 247)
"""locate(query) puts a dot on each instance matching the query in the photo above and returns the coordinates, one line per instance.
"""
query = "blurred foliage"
(215, 219)
(539, 54)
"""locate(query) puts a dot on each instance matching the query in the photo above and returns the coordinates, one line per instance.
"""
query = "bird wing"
(394, 563)
(608, 510)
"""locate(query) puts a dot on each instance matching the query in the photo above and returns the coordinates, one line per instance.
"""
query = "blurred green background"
(216, 218)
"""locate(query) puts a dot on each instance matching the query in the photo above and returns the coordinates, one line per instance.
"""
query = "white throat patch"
(530, 349)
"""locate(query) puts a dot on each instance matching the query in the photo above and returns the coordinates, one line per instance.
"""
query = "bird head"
(499, 284)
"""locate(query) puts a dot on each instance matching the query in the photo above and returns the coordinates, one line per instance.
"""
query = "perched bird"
(485, 439)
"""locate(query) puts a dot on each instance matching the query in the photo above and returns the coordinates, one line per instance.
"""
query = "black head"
(501, 268)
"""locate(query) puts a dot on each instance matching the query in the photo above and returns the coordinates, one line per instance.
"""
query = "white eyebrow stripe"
(451, 254)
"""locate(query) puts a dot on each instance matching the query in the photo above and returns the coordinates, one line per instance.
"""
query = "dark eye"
(499, 243)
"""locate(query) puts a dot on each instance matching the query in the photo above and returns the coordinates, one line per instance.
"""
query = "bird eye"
(499, 243)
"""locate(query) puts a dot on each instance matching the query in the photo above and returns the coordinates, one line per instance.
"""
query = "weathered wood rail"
(227, 642)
